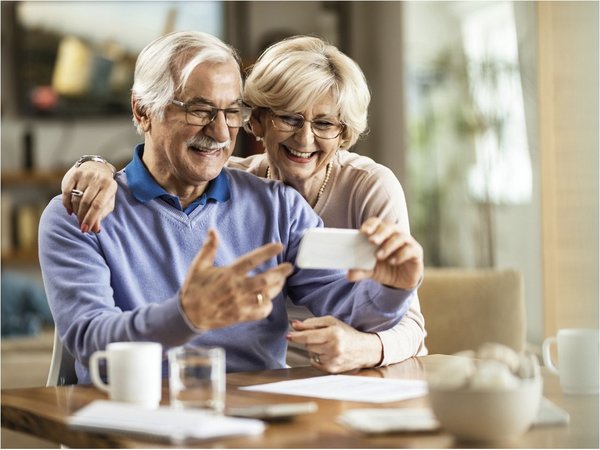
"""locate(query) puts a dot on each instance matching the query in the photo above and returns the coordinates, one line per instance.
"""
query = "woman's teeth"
(299, 154)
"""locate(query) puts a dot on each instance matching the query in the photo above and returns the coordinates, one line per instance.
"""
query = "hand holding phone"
(335, 248)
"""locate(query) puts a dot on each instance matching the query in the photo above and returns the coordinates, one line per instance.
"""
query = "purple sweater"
(123, 283)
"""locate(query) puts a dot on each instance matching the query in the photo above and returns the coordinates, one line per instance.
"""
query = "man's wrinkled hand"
(215, 297)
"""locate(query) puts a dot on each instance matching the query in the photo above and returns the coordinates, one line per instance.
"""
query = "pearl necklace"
(321, 189)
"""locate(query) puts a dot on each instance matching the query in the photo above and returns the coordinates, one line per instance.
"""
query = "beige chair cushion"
(464, 308)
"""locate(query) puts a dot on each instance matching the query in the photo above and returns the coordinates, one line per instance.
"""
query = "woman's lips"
(297, 156)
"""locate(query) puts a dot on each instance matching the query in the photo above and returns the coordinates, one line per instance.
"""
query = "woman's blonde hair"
(295, 72)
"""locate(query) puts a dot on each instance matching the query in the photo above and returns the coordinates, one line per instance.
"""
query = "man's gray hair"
(164, 66)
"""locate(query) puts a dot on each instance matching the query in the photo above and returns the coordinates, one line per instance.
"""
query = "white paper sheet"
(348, 388)
(389, 420)
(162, 423)
(551, 414)
(392, 420)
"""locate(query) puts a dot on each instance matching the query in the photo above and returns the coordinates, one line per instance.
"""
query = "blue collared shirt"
(145, 188)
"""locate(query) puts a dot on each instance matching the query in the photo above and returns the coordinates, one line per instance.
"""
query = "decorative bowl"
(487, 414)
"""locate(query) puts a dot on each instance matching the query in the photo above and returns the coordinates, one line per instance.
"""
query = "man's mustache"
(207, 143)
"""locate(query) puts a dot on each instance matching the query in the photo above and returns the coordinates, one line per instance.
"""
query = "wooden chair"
(464, 308)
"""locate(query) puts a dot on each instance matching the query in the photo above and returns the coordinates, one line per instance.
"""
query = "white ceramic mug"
(577, 359)
(134, 372)
(197, 378)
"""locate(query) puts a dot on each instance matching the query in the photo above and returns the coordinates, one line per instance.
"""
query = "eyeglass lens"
(234, 117)
(324, 128)
(202, 115)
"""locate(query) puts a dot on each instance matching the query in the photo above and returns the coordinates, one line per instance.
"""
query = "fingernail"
(85, 228)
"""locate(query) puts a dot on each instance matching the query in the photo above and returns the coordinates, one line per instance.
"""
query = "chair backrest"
(464, 308)
(62, 366)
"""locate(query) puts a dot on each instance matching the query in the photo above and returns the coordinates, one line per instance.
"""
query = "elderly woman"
(310, 106)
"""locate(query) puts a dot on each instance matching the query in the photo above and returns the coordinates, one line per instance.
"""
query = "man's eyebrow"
(206, 101)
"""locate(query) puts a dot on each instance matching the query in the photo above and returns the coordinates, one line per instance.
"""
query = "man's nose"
(218, 129)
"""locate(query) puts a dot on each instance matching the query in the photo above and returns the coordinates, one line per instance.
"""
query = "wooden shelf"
(39, 178)
(27, 257)
(26, 192)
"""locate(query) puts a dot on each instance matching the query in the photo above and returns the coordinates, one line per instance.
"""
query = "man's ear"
(140, 114)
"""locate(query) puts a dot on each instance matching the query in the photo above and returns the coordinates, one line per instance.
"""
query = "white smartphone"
(335, 248)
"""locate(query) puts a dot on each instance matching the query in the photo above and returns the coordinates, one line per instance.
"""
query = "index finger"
(67, 185)
(256, 257)
(309, 337)
(99, 208)
(370, 225)
(313, 323)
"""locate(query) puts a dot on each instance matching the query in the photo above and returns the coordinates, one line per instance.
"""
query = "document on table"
(175, 425)
(348, 388)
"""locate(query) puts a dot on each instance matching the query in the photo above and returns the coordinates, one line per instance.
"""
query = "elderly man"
(159, 271)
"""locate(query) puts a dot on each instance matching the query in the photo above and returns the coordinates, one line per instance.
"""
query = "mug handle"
(95, 371)
(546, 354)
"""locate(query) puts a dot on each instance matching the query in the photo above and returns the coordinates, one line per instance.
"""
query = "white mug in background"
(134, 372)
(578, 350)
(197, 378)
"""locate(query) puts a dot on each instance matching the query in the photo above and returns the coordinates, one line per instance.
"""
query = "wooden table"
(42, 412)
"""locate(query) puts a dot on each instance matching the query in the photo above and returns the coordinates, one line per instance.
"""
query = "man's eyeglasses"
(200, 115)
(324, 127)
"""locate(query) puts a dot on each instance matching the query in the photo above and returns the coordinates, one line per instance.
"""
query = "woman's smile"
(298, 156)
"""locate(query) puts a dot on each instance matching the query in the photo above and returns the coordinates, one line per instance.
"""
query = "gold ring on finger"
(315, 358)
(76, 193)
(259, 299)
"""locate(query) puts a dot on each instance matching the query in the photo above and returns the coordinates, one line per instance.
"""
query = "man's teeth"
(299, 154)
(205, 150)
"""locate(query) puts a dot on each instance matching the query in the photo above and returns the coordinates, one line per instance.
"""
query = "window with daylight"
(468, 149)
(502, 170)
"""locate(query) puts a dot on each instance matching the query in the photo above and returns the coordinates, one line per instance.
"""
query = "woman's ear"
(140, 115)
(256, 125)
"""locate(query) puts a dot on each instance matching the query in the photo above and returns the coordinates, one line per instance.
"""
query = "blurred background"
(487, 112)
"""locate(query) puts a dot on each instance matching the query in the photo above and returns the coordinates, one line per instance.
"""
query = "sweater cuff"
(193, 328)
(389, 341)
(170, 325)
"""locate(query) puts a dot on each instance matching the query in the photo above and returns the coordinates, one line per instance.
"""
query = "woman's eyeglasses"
(324, 128)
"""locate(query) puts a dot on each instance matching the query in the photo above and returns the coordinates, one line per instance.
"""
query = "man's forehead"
(211, 82)
(220, 68)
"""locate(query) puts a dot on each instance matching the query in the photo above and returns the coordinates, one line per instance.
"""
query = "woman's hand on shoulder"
(399, 255)
(96, 183)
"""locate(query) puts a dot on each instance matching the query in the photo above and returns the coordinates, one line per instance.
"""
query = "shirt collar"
(144, 188)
